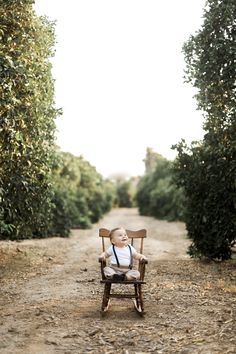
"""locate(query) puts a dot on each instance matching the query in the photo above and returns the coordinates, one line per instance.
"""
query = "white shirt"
(123, 255)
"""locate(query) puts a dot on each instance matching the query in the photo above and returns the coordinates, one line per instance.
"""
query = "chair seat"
(110, 281)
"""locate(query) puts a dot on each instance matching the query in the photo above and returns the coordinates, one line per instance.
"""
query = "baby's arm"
(104, 255)
(139, 256)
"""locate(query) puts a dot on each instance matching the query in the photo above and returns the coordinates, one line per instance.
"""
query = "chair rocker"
(137, 296)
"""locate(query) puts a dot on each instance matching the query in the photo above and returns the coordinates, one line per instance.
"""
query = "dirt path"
(51, 296)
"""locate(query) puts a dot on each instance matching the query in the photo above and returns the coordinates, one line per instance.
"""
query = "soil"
(51, 296)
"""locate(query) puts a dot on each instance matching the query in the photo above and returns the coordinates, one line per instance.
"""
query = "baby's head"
(118, 237)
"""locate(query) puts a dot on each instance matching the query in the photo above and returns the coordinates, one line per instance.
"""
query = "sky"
(119, 79)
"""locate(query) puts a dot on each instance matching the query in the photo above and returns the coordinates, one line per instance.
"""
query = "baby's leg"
(109, 272)
(132, 274)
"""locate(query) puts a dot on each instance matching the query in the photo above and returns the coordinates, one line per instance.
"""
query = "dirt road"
(50, 296)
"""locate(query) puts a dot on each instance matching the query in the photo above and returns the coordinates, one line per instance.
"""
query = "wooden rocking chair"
(137, 297)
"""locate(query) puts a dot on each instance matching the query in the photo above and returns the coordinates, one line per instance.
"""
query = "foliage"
(42, 191)
(81, 194)
(151, 160)
(157, 195)
(207, 170)
(27, 120)
(166, 200)
(126, 190)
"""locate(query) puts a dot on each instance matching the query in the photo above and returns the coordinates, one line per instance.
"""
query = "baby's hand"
(102, 257)
(143, 259)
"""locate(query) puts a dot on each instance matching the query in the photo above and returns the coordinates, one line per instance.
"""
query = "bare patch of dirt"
(51, 295)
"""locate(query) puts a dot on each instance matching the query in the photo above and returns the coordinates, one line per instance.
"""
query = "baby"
(122, 254)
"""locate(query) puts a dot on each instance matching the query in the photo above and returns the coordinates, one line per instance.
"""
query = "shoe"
(118, 277)
(122, 277)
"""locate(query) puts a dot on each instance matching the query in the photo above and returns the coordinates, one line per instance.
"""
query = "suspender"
(131, 258)
(117, 260)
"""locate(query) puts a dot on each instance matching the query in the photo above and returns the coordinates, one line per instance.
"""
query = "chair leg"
(106, 297)
(136, 295)
(138, 302)
(140, 296)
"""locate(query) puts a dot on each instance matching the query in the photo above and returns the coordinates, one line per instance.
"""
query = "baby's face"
(120, 238)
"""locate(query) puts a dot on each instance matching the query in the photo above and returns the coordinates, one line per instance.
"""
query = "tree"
(207, 170)
(27, 119)
(157, 195)
(151, 160)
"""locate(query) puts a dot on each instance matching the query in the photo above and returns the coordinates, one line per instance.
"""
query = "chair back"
(136, 237)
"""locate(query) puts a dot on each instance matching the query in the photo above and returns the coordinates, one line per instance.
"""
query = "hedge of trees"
(206, 170)
(42, 191)
(81, 195)
(27, 119)
(157, 194)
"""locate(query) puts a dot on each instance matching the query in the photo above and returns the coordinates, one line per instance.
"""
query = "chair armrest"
(145, 261)
(142, 268)
(103, 263)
